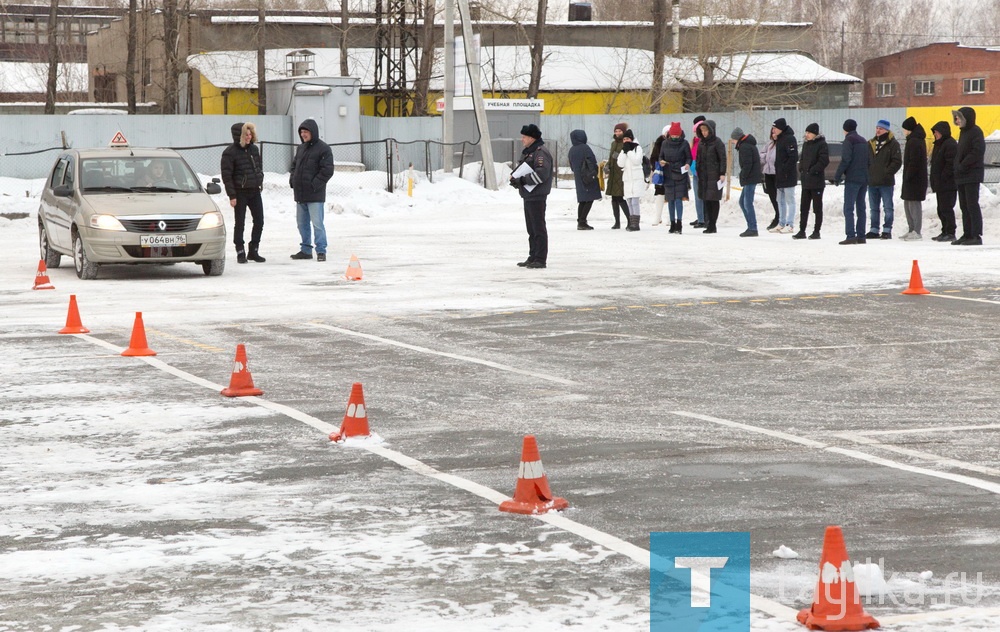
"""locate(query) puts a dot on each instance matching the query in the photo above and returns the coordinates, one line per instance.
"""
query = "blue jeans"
(746, 205)
(881, 194)
(676, 209)
(786, 206)
(699, 204)
(854, 197)
(309, 215)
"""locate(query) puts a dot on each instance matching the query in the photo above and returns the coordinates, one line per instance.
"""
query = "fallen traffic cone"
(42, 278)
(916, 283)
(241, 382)
(353, 269)
(137, 345)
(532, 494)
(836, 605)
(355, 422)
(73, 324)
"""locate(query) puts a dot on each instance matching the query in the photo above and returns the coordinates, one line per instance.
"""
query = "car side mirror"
(213, 187)
(63, 190)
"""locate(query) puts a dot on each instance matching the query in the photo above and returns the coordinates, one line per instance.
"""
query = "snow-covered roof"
(29, 77)
(566, 68)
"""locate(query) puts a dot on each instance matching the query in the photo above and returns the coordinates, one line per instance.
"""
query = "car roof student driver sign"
(118, 140)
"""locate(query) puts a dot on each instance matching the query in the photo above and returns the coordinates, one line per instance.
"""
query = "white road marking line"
(993, 488)
(878, 344)
(965, 298)
(927, 430)
(453, 356)
(613, 543)
(919, 617)
(919, 454)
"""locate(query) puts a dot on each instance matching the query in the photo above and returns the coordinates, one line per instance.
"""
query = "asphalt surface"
(632, 405)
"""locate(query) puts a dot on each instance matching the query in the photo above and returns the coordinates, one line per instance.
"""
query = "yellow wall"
(216, 101)
(586, 102)
(987, 117)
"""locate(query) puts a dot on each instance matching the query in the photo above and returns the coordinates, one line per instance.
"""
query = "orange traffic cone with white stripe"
(42, 277)
(241, 382)
(916, 283)
(137, 346)
(353, 269)
(836, 605)
(355, 422)
(73, 324)
(532, 494)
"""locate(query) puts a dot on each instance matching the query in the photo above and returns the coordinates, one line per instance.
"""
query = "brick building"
(941, 74)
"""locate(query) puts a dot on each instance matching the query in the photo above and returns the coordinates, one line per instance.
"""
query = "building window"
(973, 86)
(885, 89)
(923, 88)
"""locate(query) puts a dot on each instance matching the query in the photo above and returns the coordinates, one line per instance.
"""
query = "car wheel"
(85, 269)
(47, 254)
(214, 267)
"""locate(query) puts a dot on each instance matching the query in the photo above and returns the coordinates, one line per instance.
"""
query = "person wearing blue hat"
(885, 158)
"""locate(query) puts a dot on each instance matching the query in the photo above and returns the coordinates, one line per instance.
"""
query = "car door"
(57, 211)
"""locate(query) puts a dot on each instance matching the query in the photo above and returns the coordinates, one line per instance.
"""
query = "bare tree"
(425, 64)
(659, 52)
(171, 36)
(344, 22)
(50, 84)
(130, 52)
(261, 60)
(537, 50)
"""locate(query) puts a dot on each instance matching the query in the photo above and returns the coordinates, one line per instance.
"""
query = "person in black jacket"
(312, 168)
(583, 164)
(970, 171)
(243, 177)
(711, 168)
(884, 160)
(943, 178)
(853, 172)
(812, 165)
(786, 160)
(751, 175)
(675, 161)
(913, 190)
(534, 188)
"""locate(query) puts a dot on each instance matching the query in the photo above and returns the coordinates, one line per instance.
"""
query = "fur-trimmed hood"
(238, 130)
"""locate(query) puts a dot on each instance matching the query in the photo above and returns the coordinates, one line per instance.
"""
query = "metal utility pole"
(396, 46)
(472, 67)
(448, 118)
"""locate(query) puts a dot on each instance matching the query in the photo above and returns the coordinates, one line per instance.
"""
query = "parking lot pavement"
(144, 500)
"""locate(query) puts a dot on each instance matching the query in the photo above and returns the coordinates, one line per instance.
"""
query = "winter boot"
(800, 235)
(658, 201)
(673, 226)
(241, 257)
(255, 256)
(633, 223)
(815, 234)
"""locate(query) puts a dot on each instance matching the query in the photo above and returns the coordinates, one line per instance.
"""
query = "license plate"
(152, 241)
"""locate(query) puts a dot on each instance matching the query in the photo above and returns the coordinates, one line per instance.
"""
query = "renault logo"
(162, 225)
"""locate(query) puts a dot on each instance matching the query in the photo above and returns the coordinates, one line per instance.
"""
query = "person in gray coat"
(583, 163)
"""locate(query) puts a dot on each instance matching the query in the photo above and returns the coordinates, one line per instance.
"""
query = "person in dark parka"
(711, 167)
(942, 179)
(312, 168)
(786, 161)
(243, 177)
(675, 160)
(970, 171)
(913, 190)
(541, 169)
(583, 163)
(615, 188)
(751, 174)
(812, 165)
(853, 172)
(885, 158)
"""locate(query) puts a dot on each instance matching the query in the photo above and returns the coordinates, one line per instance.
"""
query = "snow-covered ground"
(451, 248)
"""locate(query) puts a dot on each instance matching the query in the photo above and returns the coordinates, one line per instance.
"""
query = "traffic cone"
(836, 605)
(137, 345)
(241, 382)
(916, 283)
(353, 269)
(355, 422)
(42, 278)
(73, 324)
(532, 494)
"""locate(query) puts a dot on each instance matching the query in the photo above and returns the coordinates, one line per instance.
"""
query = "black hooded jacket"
(786, 159)
(943, 159)
(241, 166)
(312, 167)
(914, 186)
(587, 189)
(970, 167)
(751, 171)
(711, 163)
(813, 162)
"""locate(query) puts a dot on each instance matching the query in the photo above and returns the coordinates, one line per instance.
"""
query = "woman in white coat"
(633, 179)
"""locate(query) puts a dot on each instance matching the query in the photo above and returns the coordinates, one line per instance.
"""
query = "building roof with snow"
(32, 77)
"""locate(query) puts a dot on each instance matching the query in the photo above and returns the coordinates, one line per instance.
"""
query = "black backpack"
(588, 170)
(647, 168)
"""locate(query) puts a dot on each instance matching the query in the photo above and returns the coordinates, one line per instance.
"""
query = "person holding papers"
(711, 166)
(532, 177)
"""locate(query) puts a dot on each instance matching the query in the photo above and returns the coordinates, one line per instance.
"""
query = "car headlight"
(106, 222)
(210, 220)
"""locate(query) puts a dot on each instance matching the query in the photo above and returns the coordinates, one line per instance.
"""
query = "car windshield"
(135, 174)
